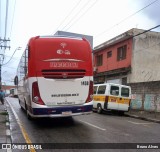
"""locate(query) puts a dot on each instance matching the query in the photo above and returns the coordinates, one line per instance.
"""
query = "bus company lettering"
(65, 95)
(113, 99)
(63, 64)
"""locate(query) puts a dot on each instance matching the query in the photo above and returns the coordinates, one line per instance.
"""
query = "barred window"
(99, 59)
(109, 54)
(121, 53)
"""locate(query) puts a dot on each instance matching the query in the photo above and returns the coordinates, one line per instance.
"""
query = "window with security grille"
(99, 60)
(121, 53)
(109, 54)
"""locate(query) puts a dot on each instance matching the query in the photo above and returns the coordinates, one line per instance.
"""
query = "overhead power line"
(18, 48)
(9, 67)
(82, 15)
(82, 8)
(147, 30)
(150, 46)
(77, 4)
(128, 17)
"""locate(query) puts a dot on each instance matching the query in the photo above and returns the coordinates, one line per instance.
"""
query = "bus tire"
(28, 116)
(21, 105)
(99, 108)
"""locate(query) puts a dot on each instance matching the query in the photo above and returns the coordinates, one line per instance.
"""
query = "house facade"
(132, 58)
(7, 88)
(112, 59)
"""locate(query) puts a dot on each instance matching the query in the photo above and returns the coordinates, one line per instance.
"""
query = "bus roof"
(111, 84)
(61, 36)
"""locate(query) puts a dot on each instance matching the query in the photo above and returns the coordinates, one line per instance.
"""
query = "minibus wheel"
(121, 113)
(99, 108)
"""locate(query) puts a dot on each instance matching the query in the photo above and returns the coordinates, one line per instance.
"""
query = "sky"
(102, 19)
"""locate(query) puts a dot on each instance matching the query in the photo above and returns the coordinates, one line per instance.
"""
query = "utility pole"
(3, 45)
(1, 61)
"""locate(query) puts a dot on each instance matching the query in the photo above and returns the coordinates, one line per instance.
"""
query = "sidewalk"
(5, 135)
(3, 119)
(144, 115)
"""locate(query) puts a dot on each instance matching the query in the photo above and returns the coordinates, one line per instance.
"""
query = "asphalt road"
(94, 128)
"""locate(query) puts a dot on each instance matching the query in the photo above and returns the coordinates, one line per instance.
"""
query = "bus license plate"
(67, 113)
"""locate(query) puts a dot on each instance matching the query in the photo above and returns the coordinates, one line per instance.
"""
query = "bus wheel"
(20, 104)
(28, 116)
(99, 108)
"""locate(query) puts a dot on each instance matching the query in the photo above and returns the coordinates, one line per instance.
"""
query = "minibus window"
(125, 92)
(114, 90)
(101, 89)
(95, 89)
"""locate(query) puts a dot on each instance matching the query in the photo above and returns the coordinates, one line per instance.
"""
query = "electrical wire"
(15, 58)
(11, 22)
(147, 30)
(150, 46)
(82, 15)
(82, 8)
(9, 67)
(128, 17)
(11, 57)
(77, 4)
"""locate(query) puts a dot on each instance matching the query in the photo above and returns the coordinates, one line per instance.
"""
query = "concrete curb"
(8, 131)
(143, 118)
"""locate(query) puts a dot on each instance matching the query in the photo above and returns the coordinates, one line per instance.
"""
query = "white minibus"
(110, 96)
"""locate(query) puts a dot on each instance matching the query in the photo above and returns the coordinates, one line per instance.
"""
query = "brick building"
(132, 58)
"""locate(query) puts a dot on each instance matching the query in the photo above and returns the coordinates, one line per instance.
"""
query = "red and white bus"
(55, 77)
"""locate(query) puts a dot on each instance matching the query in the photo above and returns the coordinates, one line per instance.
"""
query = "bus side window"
(101, 89)
(95, 89)
(114, 90)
